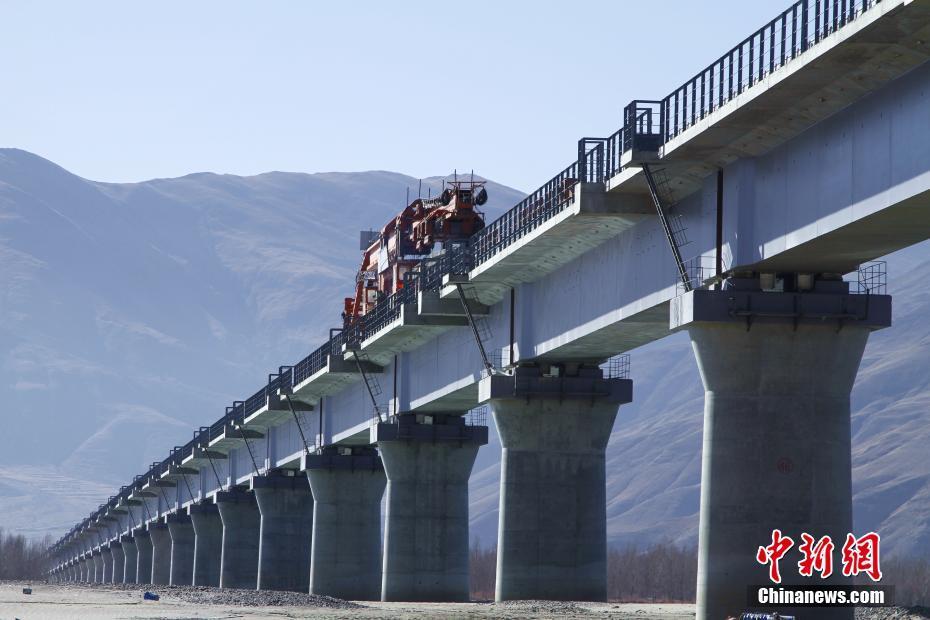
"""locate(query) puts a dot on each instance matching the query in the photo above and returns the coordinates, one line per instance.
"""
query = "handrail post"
(804, 25)
(582, 163)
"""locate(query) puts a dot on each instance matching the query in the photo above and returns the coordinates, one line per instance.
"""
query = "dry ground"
(178, 603)
(113, 602)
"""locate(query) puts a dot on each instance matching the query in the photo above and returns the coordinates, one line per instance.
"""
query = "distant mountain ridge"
(130, 314)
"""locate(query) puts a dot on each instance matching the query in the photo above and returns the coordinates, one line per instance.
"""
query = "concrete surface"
(553, 517)
(776, 449)
(346, 548)
(182, 550)
(161, 553)
(426, 518)
(208, 544)
(143, 556)
(285, 504)
(130, 559)
(119, 560)
(241, 524)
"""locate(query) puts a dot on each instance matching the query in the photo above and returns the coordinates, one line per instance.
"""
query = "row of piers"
(777, 368)
(320, 529)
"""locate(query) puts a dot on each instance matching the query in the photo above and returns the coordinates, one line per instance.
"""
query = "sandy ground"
(69, 601)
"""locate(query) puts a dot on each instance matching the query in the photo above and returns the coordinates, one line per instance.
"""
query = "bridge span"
(744, 207)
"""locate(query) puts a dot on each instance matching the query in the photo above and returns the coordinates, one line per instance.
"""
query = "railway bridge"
(745, 207)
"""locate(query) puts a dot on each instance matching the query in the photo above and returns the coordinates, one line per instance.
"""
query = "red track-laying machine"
(421, 229)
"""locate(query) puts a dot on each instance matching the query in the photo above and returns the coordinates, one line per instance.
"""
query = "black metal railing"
(780, 41)
(617, 367)
(385, 312)
(591, 156)
(313, 363)
(871, 279)
(643, 124)
(217, 428)
(255, 402)
(526, 216)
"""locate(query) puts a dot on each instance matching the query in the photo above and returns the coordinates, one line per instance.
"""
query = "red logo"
(817, 556)
(772, 554)
(859, 555)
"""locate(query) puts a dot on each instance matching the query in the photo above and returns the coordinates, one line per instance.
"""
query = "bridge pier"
(119, 559)
(161, 553)
(208, 544)
(98, 565)
(106, 564)
(241, 525)
(552, 536)
(346, 551)
(285, 504)
(777, 370)
(130, 554)
(182, 549)
(427, 460)
(143, 556)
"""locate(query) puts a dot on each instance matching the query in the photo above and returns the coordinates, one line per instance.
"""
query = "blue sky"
(126, 91)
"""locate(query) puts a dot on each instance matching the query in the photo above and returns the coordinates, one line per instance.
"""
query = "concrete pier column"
(106, 564)
(347, 486)
(777, 369)
(182, 549)
(98, 566)
(286, 507)
(143, 556)
(241, 525)
(208, 544)
(554, 422)
(161, 553)
(130, 558)
(427, 460)
(119, 560)
(83, 572)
